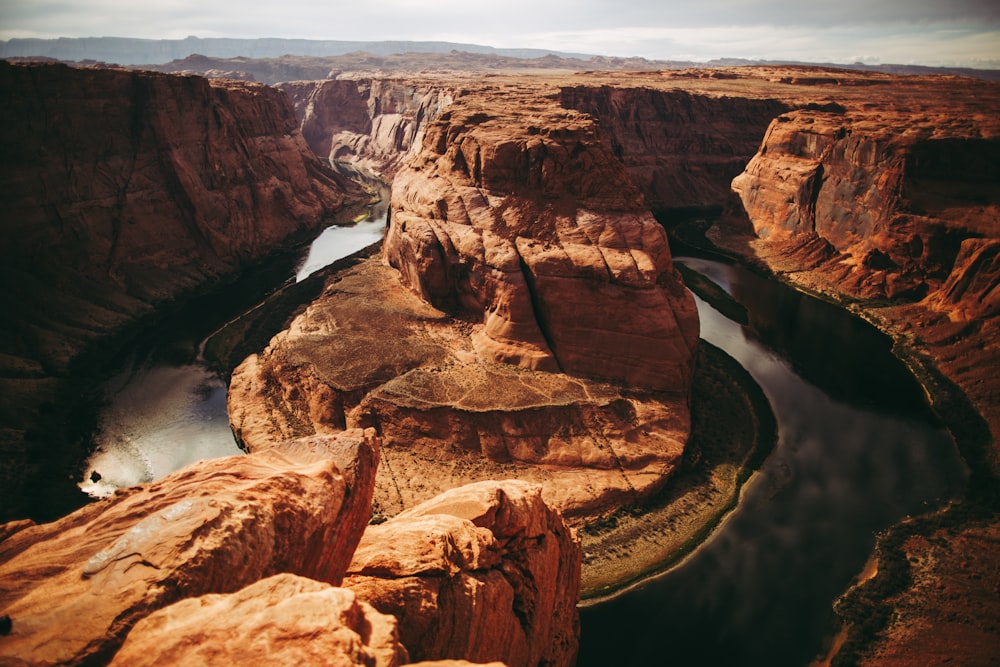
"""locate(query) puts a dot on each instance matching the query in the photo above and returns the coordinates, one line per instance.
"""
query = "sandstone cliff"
(483, 572)
(516, 212)
(124, 191)
(370, 124)
(74, 588)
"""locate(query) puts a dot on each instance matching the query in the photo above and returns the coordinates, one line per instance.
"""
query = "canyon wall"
(682, 150)
(370, 124)
(123, 192)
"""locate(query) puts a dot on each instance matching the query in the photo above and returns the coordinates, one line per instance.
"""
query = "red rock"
(526, 220)
(483, 572)
(73, 588)
(281, 620)
(369, 353)
(125, 191)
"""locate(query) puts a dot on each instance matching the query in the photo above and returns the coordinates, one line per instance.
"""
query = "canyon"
(524, 320)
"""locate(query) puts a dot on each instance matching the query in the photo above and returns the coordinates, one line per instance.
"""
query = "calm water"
(165, 409)
(858, 451)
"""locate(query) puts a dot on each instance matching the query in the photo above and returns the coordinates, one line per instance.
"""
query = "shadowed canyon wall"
(682, 150)
(371, 124)
(124, 191)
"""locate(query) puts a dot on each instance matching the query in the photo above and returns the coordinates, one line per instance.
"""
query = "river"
(164, 408)
(858, 451)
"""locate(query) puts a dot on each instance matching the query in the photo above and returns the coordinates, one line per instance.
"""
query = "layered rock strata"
(369, 352)
(74, 588)
(520, 215)
(370, 124)
(123, 192)
(485, 572)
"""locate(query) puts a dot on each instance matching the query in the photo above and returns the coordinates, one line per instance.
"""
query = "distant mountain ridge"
(133, 51)
(129, 51)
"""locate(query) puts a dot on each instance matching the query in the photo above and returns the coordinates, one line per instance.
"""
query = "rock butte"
(519, 325)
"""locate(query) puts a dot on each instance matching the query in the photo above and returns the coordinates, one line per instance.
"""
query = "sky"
(927, 32)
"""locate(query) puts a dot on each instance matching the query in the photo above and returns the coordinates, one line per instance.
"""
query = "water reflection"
(165, 409)
(849, 463)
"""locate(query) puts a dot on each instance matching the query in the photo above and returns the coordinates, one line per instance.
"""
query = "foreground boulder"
(281, 620)
(74, 588)
(483, 572)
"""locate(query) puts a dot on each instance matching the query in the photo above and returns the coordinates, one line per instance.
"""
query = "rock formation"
(520, 215)
(125, 191)
(368, 352)
(896, 209)
(552, 339)
(281, 620)
(73, 588)
(483, 572)
(681, 149)
(369, 124)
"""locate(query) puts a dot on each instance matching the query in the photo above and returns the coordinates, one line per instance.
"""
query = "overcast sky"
(929, 32)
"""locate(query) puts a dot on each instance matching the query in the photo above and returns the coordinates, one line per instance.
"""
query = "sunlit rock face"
(74, 588)
(281, 620)
(485, 572)
(370, 353)
(519, 214)
(123, 192)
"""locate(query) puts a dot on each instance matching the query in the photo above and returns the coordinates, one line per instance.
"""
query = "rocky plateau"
(524, 321)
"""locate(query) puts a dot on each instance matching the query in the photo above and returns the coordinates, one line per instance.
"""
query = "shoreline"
(635, 543)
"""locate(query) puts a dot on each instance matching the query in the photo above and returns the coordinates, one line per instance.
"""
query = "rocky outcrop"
(517, 213)
(281, 620)
(892, 199)
(125, 191)
(482, 572)
(74, 588)
(370, 124)
(369, 353)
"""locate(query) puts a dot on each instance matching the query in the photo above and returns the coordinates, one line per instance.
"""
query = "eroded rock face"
(73, 588)
(682, 150)
(281, 620)
(369, 353)
(124, 191)
(373, 124)
(522, 217)
(483, 572)
(892, 198)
